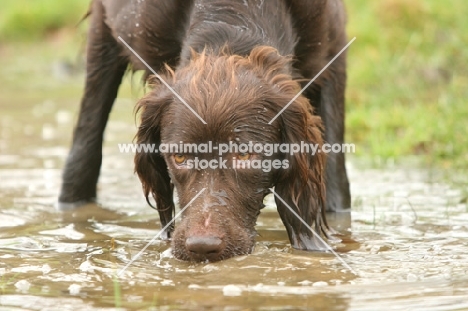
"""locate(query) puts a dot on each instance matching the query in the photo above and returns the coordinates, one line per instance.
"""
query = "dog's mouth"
(206, 258)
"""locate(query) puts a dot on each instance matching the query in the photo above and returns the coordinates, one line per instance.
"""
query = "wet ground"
(406, 238)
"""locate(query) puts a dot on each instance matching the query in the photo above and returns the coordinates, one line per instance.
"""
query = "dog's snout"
(204, 246)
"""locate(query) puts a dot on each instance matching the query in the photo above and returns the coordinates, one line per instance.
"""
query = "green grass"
(407, 71)
(34, 19)
(117, 292)
(408, 79)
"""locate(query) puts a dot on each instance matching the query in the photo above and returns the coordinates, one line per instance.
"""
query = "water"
(406, 238)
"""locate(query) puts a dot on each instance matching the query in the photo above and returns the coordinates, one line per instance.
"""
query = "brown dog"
(236, 64)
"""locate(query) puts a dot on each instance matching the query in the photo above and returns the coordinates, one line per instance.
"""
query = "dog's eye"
(243, 156)
(179, 158)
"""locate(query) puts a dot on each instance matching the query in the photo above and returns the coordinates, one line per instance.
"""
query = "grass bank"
(23, 20)
(408, 79)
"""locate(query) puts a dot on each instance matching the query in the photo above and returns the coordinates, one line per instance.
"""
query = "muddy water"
(406, 238)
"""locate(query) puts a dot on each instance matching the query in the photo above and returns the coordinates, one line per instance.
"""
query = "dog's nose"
(204, 246)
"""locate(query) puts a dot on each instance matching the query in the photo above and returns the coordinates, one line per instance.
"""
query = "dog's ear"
(301, 186)
(151, 166)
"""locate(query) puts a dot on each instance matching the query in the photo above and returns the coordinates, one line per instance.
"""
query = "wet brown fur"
(216, 87)
(237, 63)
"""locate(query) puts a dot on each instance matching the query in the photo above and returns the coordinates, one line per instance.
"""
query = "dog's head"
(237, 97)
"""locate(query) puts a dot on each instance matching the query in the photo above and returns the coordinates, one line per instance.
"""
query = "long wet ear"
(151, 166)
(301, 186)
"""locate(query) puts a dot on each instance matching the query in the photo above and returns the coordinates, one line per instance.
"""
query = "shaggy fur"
(237, 64)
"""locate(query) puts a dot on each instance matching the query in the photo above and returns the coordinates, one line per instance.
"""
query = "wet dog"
(230, 68)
